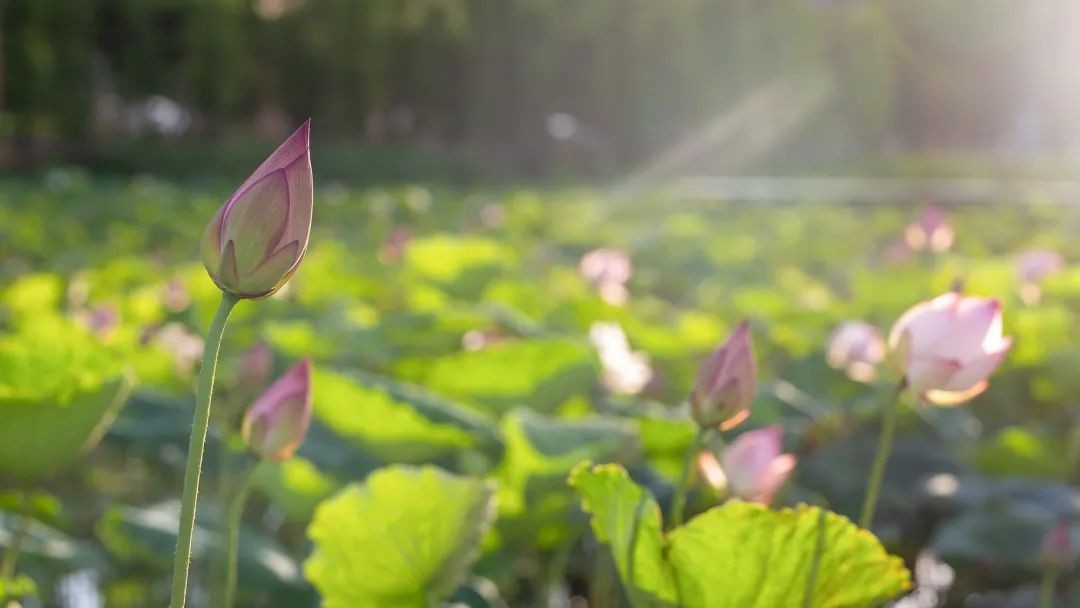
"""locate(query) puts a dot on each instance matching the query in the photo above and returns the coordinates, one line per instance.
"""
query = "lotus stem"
(884, 448)
(196, 449)
(236, 513)
(678, 502)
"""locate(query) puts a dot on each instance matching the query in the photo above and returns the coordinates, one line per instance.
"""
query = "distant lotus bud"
(275, 425)
(931, 231)
(752, 468)
(727, 382)
(857, 348)
(949, 346)
(256, 240)
(254, 368)
(1057, 547)
(1032, 268)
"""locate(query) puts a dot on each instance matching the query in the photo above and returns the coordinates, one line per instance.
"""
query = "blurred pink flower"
(726, 383)
(752, 468)
(1034, 265)
(393, 248)
(1032, 268)
(625, 371)
(608, 270)
(103, 320)
(256, 241)
(275, 425)
(931, 231)
(174, 295)
(185, 347)
(1057, 547)
(254, 368)
(949, 346)
(857, 348)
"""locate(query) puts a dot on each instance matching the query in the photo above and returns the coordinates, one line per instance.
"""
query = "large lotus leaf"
(534, 501)
(405, 538)
(59, 389)
(627, 519)
(740, 555)
(539, 373)
(394, 424)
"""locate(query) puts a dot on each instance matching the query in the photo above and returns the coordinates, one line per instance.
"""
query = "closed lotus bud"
(256, 240)
(752, 468)
(1057, 547)
(949, 346)
(726, 383)
(275, 425)
(857, 348)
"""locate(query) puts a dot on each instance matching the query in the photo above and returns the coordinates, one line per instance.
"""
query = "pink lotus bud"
(751, 468)
(726, 383)
(254, 368)
(931, 231)
(275, 425)
(857, 348)
(1057, 547)
(949, 346)
(256, 240)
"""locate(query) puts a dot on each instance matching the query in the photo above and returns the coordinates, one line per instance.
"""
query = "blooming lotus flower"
(949, 346)
(857, 348)
(931, 231)
(256, 240)
(275, 425)
(752, 468)
(726, 382)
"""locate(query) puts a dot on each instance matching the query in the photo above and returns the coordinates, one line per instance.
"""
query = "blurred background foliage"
(528, 87)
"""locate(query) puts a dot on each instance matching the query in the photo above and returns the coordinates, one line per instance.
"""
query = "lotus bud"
(256, 240)
(1057, 547)
(726, 383)
(752, 468)
(275, 425)
(857, 348)
(949, 346)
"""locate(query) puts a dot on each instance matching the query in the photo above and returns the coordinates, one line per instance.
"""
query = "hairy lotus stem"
(196, 448)
(11, 554)
(678, 502)
(236, 513)
(877, 471)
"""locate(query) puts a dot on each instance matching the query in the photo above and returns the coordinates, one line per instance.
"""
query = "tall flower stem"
(678, 502)
(196, 449)
(236, 513)
(884, 448)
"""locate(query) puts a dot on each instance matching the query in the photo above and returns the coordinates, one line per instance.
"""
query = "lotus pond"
(473, 353)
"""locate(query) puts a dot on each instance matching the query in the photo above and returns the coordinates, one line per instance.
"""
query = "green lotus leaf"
(404, 539)
(59, 390)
